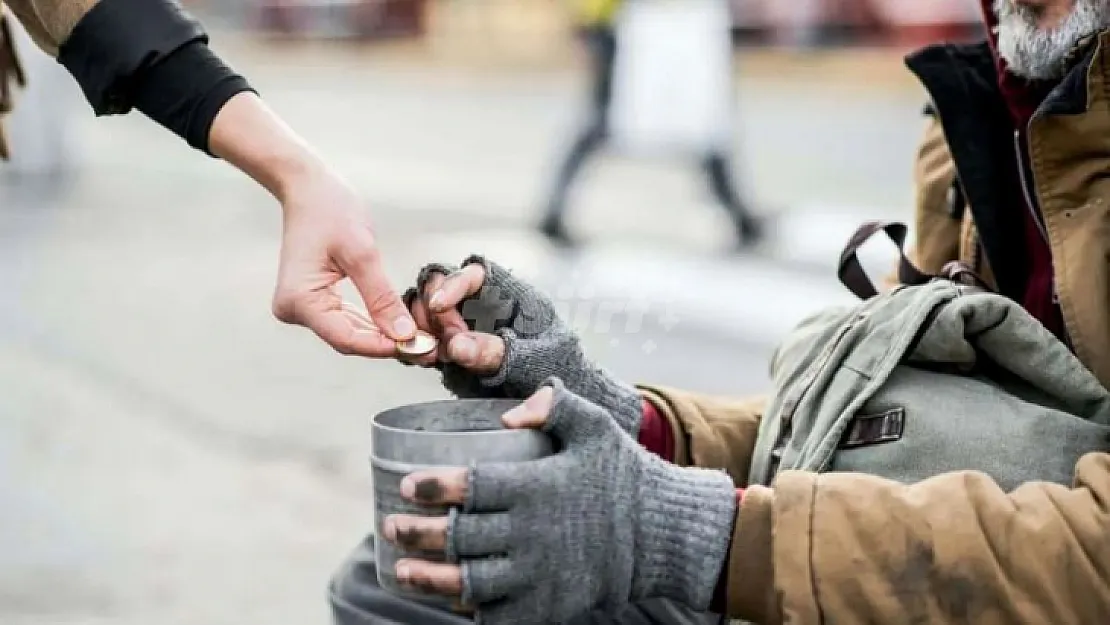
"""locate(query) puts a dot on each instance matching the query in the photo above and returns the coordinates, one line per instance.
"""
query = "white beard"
(1036, 53)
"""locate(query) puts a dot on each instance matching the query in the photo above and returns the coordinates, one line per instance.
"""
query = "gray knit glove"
(538, 345)
(598, 525)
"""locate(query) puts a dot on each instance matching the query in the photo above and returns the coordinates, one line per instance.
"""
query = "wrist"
(249, 135)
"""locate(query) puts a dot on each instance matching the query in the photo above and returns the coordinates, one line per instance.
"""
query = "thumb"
(477, 352)
(383, 303)
(572, 418)
(533, 412)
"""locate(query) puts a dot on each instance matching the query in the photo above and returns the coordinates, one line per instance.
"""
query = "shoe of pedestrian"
(750, 231)
(556, 232)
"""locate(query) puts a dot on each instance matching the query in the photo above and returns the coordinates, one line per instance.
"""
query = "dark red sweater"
(1022, 99)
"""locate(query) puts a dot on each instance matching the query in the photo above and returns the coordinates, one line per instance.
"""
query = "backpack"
(936, 375)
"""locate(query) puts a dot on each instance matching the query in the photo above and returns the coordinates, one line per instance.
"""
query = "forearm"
(249, 135)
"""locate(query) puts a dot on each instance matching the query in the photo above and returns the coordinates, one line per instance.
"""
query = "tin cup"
(448, 433)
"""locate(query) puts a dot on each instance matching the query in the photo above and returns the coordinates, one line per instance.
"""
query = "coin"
(418, 345)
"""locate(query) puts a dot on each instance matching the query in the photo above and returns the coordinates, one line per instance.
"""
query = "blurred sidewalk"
(424, 134)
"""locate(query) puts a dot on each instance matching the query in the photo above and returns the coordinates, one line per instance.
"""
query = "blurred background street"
(169, 453)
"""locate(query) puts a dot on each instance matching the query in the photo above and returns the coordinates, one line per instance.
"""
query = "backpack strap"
(851, 273)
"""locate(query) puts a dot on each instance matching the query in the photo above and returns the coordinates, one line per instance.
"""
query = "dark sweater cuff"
(114, 46)
(150, 55)
(186, 91)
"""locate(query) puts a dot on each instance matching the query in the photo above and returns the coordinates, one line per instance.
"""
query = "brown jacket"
(49, 22)
(848, 548)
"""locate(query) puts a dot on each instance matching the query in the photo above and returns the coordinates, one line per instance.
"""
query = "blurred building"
(838, 22)
(806, 23)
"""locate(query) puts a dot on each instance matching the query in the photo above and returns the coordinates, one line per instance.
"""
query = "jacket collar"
(962, 71)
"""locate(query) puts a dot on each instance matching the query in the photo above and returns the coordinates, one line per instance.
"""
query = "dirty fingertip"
(408, 487)
(389, 529)
(463, 349)
(403, 571)
(436, 303)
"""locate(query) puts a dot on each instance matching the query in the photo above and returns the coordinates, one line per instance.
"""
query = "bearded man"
(1012, 173)
(1013, 180)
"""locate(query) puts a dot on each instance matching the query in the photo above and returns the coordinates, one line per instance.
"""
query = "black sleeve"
(184, 92)
(150, 55)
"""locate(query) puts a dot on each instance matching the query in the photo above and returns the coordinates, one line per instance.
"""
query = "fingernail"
(513, 416)
(404, 326)
(408, 488)
(464, 349)
(403, 573)
(389, 530)
(436, 302)
(521, 413)
(538, 399)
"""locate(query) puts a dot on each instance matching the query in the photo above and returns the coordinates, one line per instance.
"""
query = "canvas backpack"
(936, 375)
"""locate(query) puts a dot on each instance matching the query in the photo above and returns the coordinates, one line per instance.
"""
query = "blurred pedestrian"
(596, 22)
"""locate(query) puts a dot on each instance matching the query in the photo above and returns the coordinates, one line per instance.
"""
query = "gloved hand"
(501, 337)
(600, 524)
(11, 73)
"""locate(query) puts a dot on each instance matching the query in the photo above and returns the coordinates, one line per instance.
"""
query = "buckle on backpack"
(885, 427)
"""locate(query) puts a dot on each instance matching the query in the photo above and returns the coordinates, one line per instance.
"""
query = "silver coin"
(418, 345)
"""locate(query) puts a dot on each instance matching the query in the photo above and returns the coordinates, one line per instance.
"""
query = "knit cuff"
(623, 402)
(686, 521)
(185, 92)
(527, 362)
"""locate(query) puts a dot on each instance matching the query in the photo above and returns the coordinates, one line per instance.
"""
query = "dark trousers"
(602, 44)
(356, 599)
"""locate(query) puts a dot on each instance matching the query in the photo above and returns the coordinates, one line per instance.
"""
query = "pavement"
(171, 454)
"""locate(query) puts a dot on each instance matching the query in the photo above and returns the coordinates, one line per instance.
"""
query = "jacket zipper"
(1025, 186)
(1030, 202)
